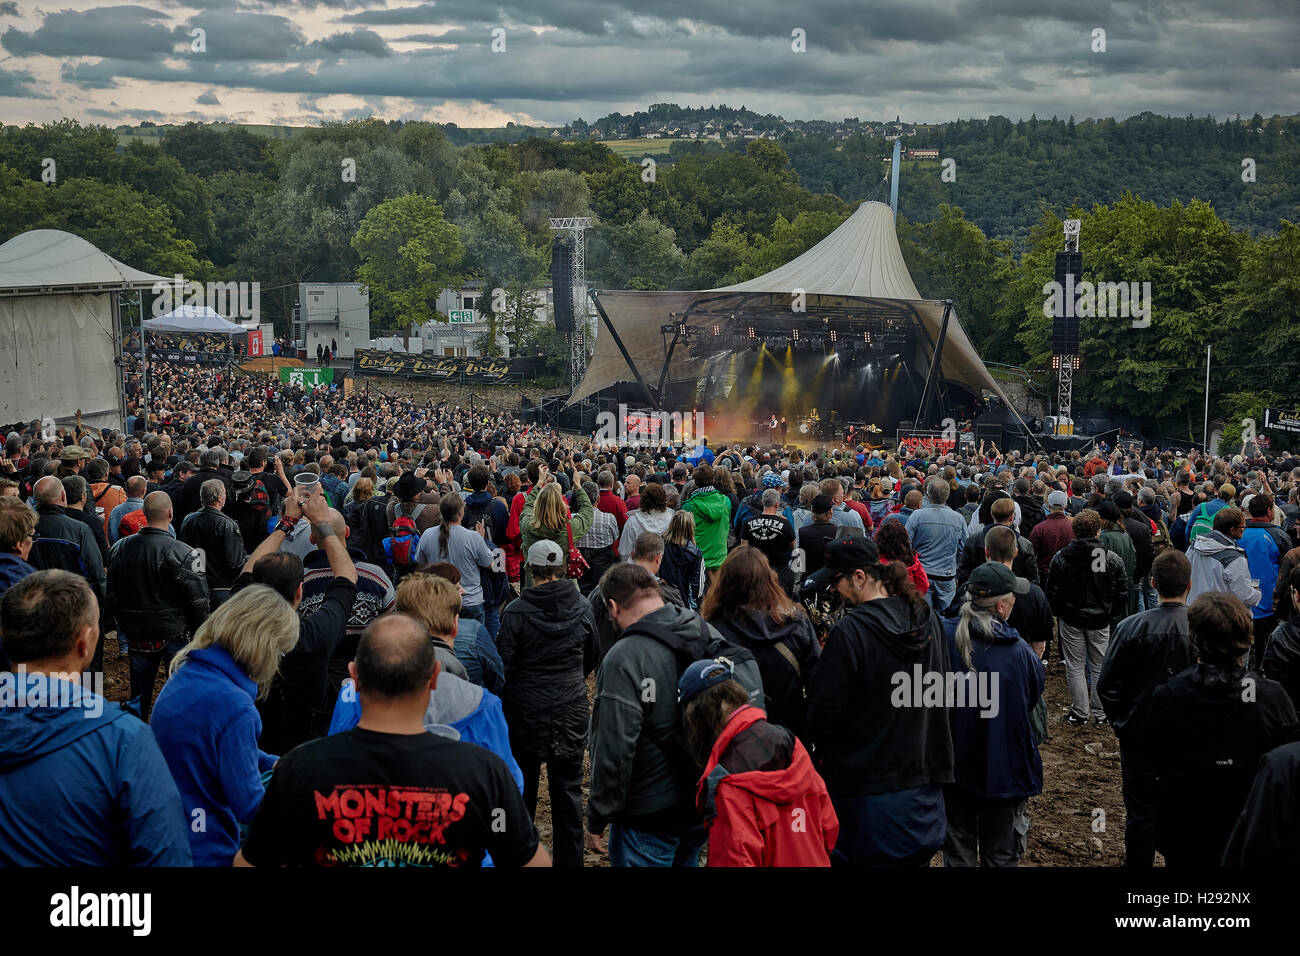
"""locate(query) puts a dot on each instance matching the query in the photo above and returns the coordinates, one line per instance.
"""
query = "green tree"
(409, 254)
(640, 255)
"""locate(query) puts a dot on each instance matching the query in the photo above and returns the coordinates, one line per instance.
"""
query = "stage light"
(681, 330)
(717, 330)
(751, 331)
(795, 335)
(866, 337)
(832, 335)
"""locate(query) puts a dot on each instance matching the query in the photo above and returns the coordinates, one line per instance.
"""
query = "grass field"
(624, 148)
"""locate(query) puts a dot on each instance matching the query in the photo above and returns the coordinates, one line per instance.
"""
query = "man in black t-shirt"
(814, 536)
(389, 792)
(773, 534)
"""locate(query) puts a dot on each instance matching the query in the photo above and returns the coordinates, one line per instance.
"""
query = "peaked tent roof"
(859, 261)
(46, 261)
(193, 318)
(860, 258)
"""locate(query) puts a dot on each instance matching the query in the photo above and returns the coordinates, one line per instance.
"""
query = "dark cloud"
(208, 99)
(9, 8)
(137, 114)
(21, 85)
(126, 32)
(357, 41)
(927, 59)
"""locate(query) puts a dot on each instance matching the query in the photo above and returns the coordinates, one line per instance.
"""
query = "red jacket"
(917, 572)
(611, 503)
(1048, 537)
(765, 817)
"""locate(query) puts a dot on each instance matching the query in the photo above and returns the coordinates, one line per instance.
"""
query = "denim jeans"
(474, 612)
(144, 671)
(942, 593)
(1148, 599)
(492, 620)
(644, 848)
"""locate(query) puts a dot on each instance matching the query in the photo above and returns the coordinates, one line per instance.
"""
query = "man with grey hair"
(55, 524)
(216, 536)
(937, 534)
(773, 534)
(188, 500)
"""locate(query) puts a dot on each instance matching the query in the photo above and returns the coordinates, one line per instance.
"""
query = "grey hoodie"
(633, 719)
(1220, 564)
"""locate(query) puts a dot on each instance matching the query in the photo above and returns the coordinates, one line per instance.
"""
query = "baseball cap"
(994, 580)
(545, 554)
(72, 453)
(821, 504)
(185, 465)
(887, 483)
(771, 480)
(242, 480)
(1058, 499)
(699, 676)
(843, 555)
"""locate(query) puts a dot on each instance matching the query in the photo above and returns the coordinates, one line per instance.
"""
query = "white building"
(330, 314)
(460, 336)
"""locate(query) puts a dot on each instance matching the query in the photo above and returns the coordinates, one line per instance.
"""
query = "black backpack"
(480, 512)
(687, 651)
(368, 527)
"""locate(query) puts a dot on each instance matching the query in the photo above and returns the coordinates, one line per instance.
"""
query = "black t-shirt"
(813, 538)
(771, 534)
(362, 798)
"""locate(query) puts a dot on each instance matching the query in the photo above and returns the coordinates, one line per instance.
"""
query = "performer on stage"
(784, 427)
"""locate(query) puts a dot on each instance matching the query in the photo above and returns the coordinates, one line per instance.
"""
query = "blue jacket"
(473, 712)
(12, 570)
(1265, 544)
(84, 785)
(207, 726)
(995, 757)
(474, 648)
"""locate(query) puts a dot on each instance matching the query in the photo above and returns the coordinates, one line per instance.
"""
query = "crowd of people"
(376, 620)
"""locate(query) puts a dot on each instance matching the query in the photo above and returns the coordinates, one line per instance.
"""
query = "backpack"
(686, 651)
(130, 523)
(399, 546)
(1202, 524)
(479, 512)
(367, 528)
(1160, 538)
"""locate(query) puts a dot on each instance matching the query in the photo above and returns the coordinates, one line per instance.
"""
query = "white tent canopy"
(193, 318)
(60, 332)
(858, 264)
(49, 260)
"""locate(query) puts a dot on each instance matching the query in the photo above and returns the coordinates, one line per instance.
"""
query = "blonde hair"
(363, 490)
(431, 600)
(550, 511)
(681, 529)
(257, 627)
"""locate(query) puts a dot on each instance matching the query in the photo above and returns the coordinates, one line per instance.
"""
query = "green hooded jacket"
(712, 510)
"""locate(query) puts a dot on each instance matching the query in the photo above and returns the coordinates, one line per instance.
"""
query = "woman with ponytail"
(994, 681)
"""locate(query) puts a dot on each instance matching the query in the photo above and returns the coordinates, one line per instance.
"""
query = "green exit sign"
(461, 316)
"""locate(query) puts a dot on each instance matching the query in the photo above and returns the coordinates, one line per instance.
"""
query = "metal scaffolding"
(583, 328)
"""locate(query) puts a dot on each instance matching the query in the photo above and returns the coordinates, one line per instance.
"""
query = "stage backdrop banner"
(306, 377)
(480, 370)
(1282, 420)
(57, 355)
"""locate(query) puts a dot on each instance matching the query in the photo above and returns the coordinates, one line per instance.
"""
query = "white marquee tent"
(194, 319)
(858, 266)
(60, 330)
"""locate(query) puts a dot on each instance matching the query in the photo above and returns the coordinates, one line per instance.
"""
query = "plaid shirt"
(602, 533)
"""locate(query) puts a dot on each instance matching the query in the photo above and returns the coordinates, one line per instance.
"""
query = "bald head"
(336, 521)
(49, 491)
(395, 658)
(136, 486)
(158, 509)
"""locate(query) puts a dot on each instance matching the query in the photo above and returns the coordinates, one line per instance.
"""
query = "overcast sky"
(928, 60)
